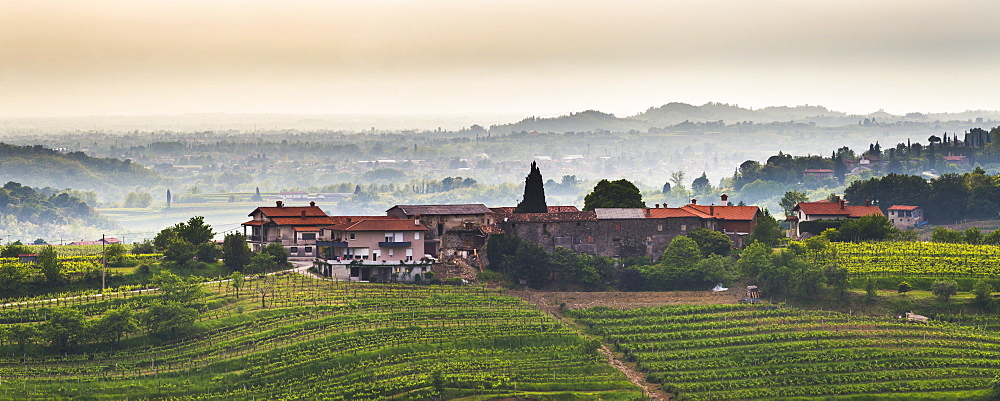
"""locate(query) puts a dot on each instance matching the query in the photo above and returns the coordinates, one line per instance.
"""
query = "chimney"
(711, 210)
(868, 202)
(312, 203)
(646, 211)
(694, 201)
(657, 205)
(279, 203)
(842, 204)
(725, 200)
(416, 220)
(836, 198)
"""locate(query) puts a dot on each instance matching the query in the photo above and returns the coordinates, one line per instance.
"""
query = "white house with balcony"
(294, 227)
(379, 248)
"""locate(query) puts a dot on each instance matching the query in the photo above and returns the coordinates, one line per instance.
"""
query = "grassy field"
(314, 339)
(718, 352)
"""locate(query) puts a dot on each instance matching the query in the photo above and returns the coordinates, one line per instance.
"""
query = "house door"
(366, 273)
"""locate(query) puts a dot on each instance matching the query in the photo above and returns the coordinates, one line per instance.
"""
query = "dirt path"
(555, 302)
(652, 391)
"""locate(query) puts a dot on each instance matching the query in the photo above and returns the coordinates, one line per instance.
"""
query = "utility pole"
(104, 262)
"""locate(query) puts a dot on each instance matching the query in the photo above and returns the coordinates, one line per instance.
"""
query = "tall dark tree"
(534, 193)
(168, 198)
(701, 183)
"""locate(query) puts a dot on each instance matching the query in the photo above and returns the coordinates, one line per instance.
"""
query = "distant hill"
(27, 213)
(39, 166)
(672, 114)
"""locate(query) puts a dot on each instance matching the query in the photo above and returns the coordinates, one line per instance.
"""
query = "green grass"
(718, 352)
(317, 339)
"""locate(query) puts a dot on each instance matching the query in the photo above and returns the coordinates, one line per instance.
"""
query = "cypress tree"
(534, 193)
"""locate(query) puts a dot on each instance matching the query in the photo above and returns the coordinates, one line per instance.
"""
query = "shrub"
(903, 287)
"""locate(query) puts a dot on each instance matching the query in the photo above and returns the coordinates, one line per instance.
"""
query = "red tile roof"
(306, 229)
(491, 229)
(379, 225)
(290, 211)
(903, 207)
(254, 223)
(336, 220)
(827, 208)
(669, 212)
(746, 213)
(301, 221)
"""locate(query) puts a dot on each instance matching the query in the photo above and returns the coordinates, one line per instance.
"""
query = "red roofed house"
(820, 173)
(834, 209)
(906, 216)
(956, 160)
(294, 227)
(101, 241)
(377, 249)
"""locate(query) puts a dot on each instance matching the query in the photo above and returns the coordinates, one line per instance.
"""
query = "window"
(351, 236)
(308, 236)
(416, 235)
(409, 254)
(389, 237)
(659, 227)
(309, 249)
(293, 249)
(684, 227)
(390, 252)
(618, 226)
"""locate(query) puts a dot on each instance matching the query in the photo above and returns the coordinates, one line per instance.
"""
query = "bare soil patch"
(552, 301)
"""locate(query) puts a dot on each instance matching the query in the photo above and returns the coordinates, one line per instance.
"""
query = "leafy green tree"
(868, 228)
(613, 194)
(903, 287)
(261, 263)
(23, 334)
(194, 231)
(767, 230)
(144, 247)
(13, 277)
(701, 184)
(64, 328)
(179, 251)
(169, 319)
(534, 193)
(945, 235)
(792, 199)
(138, 200)
(14, 249)
(276, 252)
(531, 262)
(944, 289)
(177, 289)
(48, 261)
(677, 268)
(992, 238)
(983, 294)
(236, 280)
(235, 252)
(115, 252)
(208, 252)
(711, 242)
(947, 200)
(754, 259)
(973, 236)
(115, 324)
(871, 291)
(837, 277)
(717, 269)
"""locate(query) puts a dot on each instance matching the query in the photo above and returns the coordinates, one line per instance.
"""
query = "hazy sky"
(101, 57)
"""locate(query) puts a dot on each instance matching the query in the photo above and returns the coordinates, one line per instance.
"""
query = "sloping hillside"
(39, 167)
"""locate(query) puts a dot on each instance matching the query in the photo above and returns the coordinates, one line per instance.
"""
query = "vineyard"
(719, 352)
(292, 337)
(918, 259)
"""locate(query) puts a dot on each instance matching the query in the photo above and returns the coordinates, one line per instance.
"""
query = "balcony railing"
(335, 244)
(385, 244)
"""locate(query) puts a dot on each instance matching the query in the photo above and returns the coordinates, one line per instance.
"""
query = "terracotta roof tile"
(379, 225)
(746, 213)
(903, 207)
(335, 220)
(668, 212)
(826, 208)
(301, 221)
(253, 223)
(491, 229)
(306, 229)
(551, 209)
(290, 211)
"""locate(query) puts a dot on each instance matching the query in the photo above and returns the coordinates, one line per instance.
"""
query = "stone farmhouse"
(405, 241)
(904, 217)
